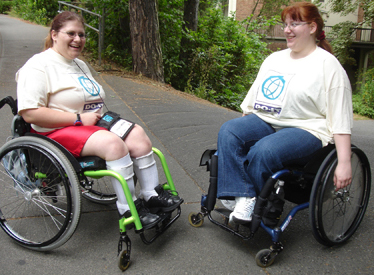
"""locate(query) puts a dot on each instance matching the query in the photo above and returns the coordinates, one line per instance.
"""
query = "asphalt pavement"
(182, 127)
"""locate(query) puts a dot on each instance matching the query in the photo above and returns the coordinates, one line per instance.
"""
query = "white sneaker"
(243, 210)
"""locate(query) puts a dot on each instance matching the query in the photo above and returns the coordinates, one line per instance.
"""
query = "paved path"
(182, 127)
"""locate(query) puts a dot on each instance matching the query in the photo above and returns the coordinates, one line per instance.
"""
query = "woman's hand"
(342, 175)
(48, 118)
(90, 119)
(343, 171)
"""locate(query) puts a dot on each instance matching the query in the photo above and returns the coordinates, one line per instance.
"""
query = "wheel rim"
(339, 213)
(34, 210)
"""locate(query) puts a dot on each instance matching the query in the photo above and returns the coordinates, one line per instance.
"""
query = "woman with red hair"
(299, 102)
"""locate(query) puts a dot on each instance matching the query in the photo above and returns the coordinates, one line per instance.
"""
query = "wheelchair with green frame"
(41, 185)
(334, 215)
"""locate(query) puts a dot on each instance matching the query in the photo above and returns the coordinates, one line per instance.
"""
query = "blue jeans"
(250, 151)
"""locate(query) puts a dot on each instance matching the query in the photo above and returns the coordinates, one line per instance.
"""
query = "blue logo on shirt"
(273, 87)
(90, 86)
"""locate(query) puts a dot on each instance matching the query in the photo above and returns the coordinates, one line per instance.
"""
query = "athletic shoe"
(147, 219)
(165, 201)
(243, 210)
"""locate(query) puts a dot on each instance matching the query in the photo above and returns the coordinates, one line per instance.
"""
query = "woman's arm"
(48, 118)
(343, 171)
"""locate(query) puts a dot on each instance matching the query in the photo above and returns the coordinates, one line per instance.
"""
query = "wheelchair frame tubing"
(134, 213)
(170, 184)
(275, 233)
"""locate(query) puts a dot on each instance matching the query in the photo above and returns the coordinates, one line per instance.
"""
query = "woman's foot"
(243, 210)
(166, 201)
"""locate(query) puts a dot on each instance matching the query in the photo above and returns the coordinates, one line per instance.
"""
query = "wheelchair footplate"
(127, 223)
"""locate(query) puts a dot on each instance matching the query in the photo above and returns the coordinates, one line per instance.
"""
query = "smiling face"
(300, 37)
(69, 47)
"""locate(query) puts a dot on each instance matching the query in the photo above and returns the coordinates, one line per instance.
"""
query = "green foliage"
(226, 57)
(367, 88)
(117, 45)
(38, 11)
(170, 21)
(5, 6)
(342, 39)
(363, 101)
(360, 108)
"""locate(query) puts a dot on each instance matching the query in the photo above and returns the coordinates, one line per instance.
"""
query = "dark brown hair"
(307, 12)
(58, 22)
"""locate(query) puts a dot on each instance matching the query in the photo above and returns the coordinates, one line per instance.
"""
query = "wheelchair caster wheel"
(124, 260)
(196, 219)
(265, 258)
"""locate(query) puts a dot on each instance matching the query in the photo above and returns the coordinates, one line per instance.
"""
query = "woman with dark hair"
(59, 97)
(299, 102)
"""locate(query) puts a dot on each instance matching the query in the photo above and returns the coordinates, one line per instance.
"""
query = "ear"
(313, 27)
(53, 35)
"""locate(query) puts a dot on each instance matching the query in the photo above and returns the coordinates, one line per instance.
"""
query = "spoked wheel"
(99, 190)
(39, 194)
(336, 215)
(196, 219)
(265, 258)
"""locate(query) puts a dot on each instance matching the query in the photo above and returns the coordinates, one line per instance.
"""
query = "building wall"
(332, 19)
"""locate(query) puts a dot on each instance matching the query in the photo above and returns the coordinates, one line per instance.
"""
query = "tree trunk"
(145, 39)
(190, 17)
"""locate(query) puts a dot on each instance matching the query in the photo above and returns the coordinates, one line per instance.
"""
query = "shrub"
(40, 11)
(226, 58)
(5, 6)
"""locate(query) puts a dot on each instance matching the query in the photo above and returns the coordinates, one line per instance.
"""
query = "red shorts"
(73, 138)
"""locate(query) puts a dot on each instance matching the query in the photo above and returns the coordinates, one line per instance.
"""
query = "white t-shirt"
(311, 93)
(49, 80)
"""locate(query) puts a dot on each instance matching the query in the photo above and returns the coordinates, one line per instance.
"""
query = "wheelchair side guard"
(19, 126)
(92, 163)
(70, 157)
(206, 157)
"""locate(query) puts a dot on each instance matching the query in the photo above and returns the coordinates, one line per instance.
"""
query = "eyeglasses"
(293, 25)
(74, 34)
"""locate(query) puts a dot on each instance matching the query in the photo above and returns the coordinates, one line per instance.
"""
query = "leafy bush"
(5, 6)
(117, 45)
(226, 58)
(342, 39)
(38, 11)
(360, 108)
(367, 88)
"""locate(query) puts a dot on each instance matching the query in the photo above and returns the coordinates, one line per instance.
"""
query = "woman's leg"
(117, 156)
(234, 141)
(274, 152)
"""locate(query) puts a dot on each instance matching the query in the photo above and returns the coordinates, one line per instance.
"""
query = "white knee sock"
(124, 167)
(146, 170)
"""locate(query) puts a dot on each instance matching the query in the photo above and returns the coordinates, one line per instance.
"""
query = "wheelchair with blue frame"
(40, 192)
(334, 215)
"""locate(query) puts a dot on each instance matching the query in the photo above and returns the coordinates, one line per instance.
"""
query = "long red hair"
(308, 12)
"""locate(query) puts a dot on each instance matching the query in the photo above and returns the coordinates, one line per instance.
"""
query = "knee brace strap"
(123, 166)
(145, 161)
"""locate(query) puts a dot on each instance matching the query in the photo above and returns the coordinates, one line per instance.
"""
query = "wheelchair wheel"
(336, 215)
(39, 195)
(100, 190)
